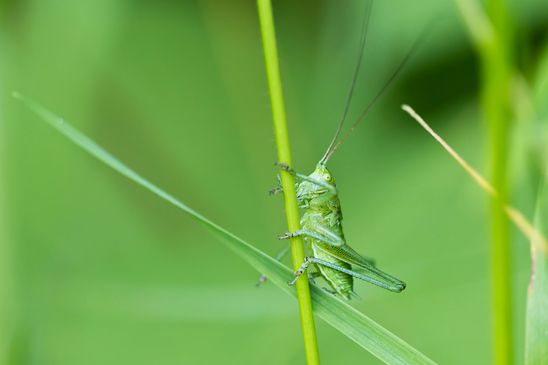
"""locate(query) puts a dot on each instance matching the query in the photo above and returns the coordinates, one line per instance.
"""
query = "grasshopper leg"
(278, 188)
(312, 276)
(261, 280)
(329, 238)
(285, 167)
(308, 260)
(325, 236)
(316, 274)
(332, 292)
(323, 184)
(301, 270)
(279, 257)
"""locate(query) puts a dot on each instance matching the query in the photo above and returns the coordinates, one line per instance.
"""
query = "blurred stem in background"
(491, 33)
(496, 62)
(5, 287)
(6, 315)
(536, 348)
(288, 183)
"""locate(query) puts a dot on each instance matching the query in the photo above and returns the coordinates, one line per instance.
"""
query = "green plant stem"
(497, 109)
(6, 284)
(287, 180)
(491, 34)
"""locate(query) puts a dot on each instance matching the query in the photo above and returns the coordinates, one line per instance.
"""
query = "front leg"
(278, 188)
(321, 183)
(285, 167)
(326, 236)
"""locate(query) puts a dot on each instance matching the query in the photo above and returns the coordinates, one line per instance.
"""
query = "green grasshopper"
(321, 224)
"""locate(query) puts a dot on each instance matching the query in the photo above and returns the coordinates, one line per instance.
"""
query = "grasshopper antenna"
(365, 27)
(376, 98)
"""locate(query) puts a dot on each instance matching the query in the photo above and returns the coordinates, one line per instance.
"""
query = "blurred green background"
(96, 270)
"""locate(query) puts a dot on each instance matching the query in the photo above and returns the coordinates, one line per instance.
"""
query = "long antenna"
(365, 27)
(373, 101)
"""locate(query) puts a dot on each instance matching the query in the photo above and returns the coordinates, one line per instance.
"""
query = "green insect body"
(321, 228)
(323, 209)
(321, 223)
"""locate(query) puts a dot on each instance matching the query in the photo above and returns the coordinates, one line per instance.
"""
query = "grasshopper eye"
(327, 178)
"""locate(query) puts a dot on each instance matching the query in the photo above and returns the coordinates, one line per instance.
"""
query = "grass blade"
(361, 329)
(519, 220)
(536, 337)
(536, 331)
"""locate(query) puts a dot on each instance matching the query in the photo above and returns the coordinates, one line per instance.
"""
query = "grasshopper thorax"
(319, 182)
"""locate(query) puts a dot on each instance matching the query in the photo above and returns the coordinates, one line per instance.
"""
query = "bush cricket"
(321, 223)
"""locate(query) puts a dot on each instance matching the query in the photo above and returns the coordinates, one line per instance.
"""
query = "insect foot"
(285, 167)
(261, 280)
(300, 271)
(297, 274)
(287, 235)
(276, 190)
(327, 290)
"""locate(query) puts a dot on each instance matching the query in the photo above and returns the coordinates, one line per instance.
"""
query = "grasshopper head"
(308, 190)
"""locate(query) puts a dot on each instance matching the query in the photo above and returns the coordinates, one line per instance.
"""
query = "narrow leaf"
(536, 336)
(521, 222)
(361, 329)
(536, 332)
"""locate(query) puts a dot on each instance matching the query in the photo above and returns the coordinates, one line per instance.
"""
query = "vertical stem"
(7, 307)
(496, 103)
(5, 287)
(288, 181)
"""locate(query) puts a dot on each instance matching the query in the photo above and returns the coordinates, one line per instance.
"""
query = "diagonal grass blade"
(361, 329)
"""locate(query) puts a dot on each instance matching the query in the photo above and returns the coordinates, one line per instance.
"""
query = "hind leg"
(359, 275)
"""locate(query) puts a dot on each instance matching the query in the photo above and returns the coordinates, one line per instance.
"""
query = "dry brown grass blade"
(521, 222)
